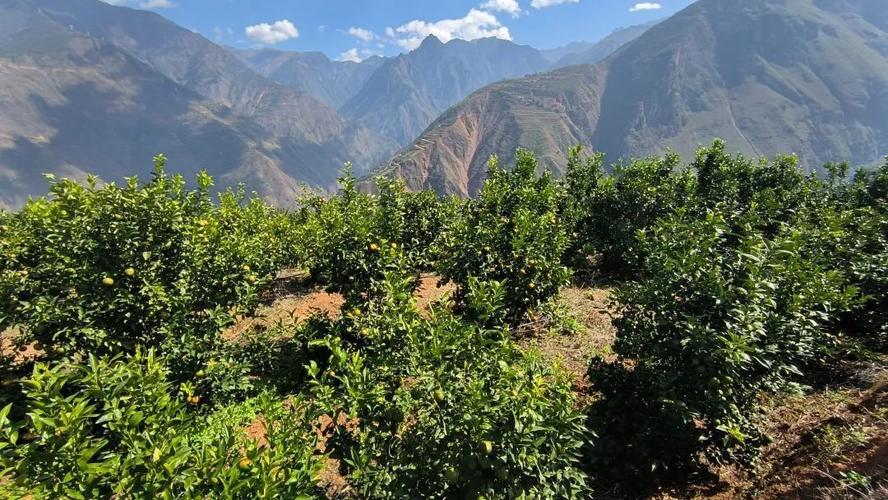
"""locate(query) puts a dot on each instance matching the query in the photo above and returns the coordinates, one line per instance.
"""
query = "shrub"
(865, 252)
(348, 235)
(511, 234)
(102, 269)
(414, 220)
(718, 316)
(773, 192)
(440, 408)
(114, 427)
(606, 212)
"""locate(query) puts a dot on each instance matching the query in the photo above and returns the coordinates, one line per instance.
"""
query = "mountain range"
(808, 77)
(88, 87)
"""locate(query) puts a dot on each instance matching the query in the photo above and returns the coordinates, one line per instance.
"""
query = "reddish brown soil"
(19, 354)
(430, 291)
(291, 302)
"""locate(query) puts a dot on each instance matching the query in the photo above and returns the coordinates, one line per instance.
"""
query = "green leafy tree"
(512, 234)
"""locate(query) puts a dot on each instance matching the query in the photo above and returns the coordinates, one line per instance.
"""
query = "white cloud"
(269, 34)
(157, 4)
(350, 55)
(476, 24)
(361, 34)
(645, 6)
(542, 4)
(507, 6)
(143, 4)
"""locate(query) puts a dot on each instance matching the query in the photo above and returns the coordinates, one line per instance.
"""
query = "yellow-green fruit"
(129, 272)
(374, 247)
(394, 246)
(200, 374)
(451, 475)
(246, 268)
(244, 463)
(438, 395)
(488, 447)
(108, 281)
(251, 278)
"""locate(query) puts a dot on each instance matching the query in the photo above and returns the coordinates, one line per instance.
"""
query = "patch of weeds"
(834, 442)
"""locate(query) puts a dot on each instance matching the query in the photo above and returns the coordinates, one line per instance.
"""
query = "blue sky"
(355, 29)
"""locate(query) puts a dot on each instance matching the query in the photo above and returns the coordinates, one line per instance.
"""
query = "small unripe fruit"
(108, 281)
(246, 268)
(438, 395)
(129, 272)
(356, 312)
(374, 247)
(451, 475)
(200, 374)
(251, 278)
(244, 463)
(394, 246)
(487, 446)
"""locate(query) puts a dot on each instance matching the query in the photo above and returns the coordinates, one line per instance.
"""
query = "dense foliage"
(115, 427)
(103, 269)
(512, 235)
(734, 279)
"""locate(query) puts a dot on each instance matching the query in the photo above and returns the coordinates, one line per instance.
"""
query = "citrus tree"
(117, 427)
(439, 407)
(719, 315)
(511, 234)
(102, 269)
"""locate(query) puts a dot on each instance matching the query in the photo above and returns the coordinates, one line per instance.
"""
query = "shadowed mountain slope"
(803, 76)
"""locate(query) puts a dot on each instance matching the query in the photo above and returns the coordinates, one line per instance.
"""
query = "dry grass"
(593, 310)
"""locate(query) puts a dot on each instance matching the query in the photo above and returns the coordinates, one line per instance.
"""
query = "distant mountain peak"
(430, 41)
